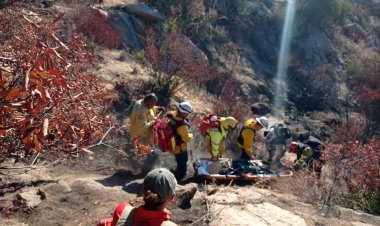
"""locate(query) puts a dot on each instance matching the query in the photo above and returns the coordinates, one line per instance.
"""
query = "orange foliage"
(49, 101)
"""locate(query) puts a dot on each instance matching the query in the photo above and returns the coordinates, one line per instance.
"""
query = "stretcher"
(228, 169)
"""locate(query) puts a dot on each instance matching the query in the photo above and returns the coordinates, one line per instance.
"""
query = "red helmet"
(293, 147)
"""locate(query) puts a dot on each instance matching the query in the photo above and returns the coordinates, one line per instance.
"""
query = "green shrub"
(163, 85)
(170, 25)
(140, 57)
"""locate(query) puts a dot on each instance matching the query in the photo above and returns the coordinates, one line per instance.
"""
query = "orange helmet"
(293, 147)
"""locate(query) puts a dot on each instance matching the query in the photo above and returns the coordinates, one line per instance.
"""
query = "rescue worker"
(247, 136)
(183, 136)
(143, 115)
(215, 137)
(277, 141)
(307, 156)
(158, 192)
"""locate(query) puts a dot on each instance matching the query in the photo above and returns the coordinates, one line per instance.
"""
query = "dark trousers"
(244, 155)
(181, 159)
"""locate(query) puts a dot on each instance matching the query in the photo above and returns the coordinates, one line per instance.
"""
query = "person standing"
(247, 136)
(183, 135)
(142, 118)
(215, 137)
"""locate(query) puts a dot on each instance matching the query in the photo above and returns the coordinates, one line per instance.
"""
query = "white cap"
(263, 121)
(185, 107)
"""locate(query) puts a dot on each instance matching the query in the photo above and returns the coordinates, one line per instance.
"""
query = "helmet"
(263, 121)
(229, 122)
(185, 107)
(293, 147)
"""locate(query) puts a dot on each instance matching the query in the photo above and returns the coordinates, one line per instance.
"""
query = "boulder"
(373, 42)
(31, 198)
(138, 23)
(260, 108)
(255, 214)
(121, 21)
(354, 31)
(145, 12)
(317, 48)
(48, 3)
(263, 10)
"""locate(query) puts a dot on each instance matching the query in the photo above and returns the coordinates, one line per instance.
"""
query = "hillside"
(222, 56)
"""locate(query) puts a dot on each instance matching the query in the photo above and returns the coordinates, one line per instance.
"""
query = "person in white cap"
(183, 135)
(277, 141)
(247, 136)
(158, 191)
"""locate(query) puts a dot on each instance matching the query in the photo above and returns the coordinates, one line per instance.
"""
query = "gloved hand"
(160, 109)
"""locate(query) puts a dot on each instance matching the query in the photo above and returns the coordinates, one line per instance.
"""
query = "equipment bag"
(209, 121)
(165, 133)
(280, 130)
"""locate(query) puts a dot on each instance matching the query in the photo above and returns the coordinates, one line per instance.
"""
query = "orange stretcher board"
(211, 170)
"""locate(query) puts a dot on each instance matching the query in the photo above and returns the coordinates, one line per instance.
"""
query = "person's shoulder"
(121, 207)
(168, 223)
(139, 104)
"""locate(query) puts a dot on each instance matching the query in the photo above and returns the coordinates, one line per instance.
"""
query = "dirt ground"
(82, 192)
(88, 189)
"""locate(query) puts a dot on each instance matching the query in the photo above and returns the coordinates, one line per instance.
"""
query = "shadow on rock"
(121, 178)
(133, 188)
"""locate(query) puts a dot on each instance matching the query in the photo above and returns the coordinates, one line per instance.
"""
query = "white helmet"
(185, 107)
(263, 121)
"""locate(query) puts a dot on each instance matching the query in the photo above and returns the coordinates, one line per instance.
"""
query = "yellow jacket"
(184, 134)
(214, 141)
(247, 136)
(142, 119)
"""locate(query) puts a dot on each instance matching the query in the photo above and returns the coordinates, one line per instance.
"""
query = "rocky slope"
(86, 190)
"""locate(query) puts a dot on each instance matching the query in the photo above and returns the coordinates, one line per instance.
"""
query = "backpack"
(315, 144)
(280, 130)
(165, 132)
(127, 217)
(207, 123)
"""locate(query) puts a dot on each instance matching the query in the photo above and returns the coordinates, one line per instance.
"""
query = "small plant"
(163, 85)
(170, 25)
(140, 57)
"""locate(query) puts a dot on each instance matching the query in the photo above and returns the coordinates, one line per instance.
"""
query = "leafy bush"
(175, 61)
(357, 165)
(91, 23)
(163, 86)
(126, 91)
(49, 101)
(195, 20)
(363, 80)
(350, 174)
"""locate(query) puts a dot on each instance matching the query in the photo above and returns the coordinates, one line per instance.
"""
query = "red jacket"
(142, 217)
